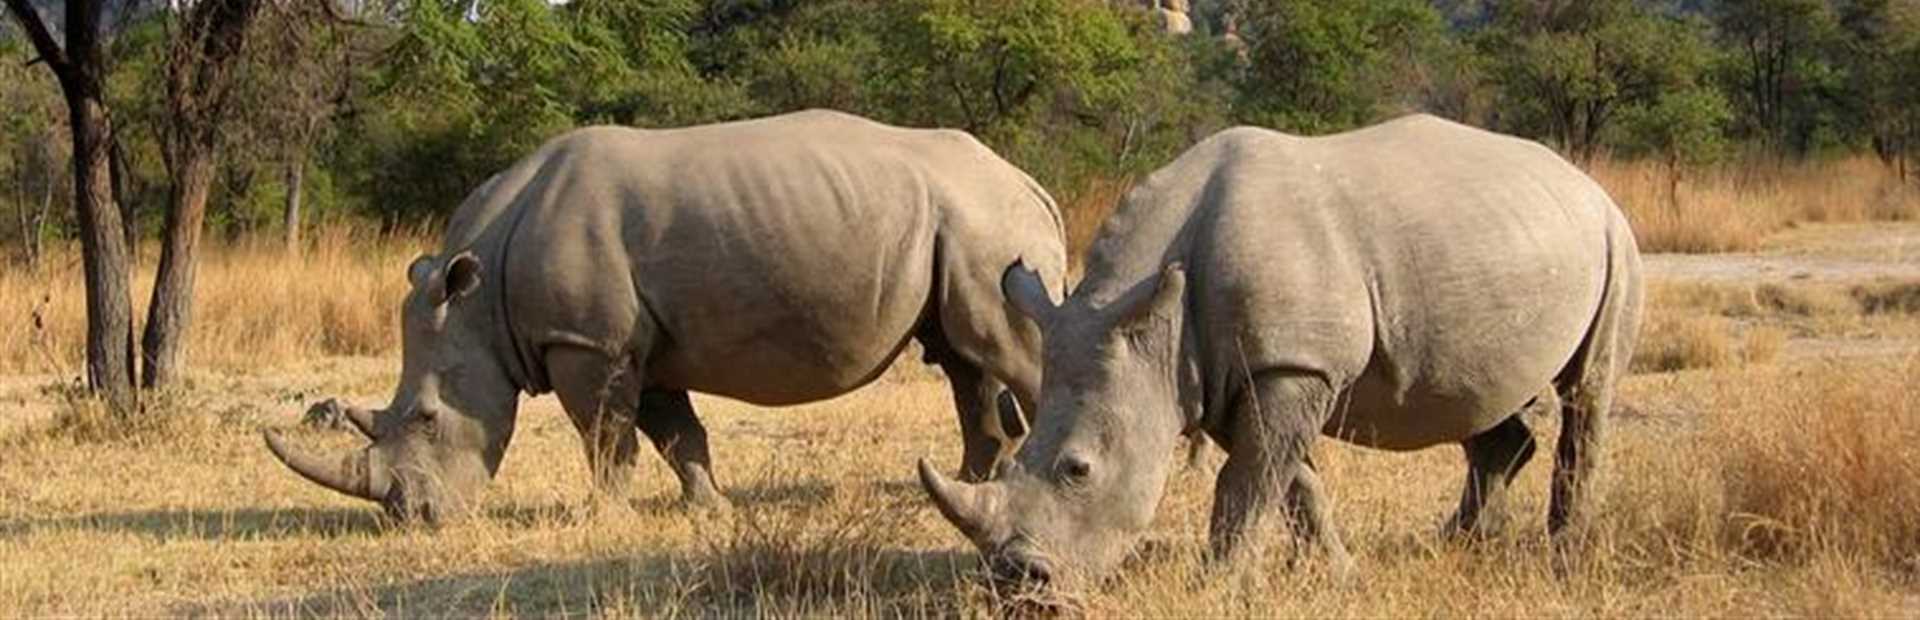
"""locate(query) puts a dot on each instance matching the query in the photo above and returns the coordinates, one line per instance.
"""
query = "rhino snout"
(1019, 565)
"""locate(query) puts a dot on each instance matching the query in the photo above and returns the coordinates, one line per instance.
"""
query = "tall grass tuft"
(1733, 207)
(256, 305)
(1832, 471)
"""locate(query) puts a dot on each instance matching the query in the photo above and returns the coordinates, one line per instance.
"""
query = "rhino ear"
(1023, 288)
(421, 268)
(459, 279)
(463, 275)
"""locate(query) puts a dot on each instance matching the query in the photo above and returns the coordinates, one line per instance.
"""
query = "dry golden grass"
(1734, 207)
(1762, 489)
(1085, 209)
(256, 306)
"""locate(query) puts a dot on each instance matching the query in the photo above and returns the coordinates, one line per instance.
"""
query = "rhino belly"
(782, 336)
(1459, 377)
(1378, 415)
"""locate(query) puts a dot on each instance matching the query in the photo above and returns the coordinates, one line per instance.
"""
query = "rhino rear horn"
(973, 508)
(354, 475)
(1028, 294)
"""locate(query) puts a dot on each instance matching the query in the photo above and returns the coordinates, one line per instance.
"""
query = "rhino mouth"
(1019, 566)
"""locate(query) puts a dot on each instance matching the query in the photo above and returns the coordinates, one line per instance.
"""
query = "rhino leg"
(1312, 525)
(1267, 463)
(600, 396)
(977, 399)
(990, 422)
(668, 420)
(1493, 458)
(1586, 389)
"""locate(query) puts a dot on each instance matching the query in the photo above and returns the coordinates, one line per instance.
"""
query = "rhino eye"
(1074, 470)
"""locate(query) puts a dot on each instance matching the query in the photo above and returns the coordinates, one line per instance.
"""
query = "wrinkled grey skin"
(1402, 286)
(776, 261)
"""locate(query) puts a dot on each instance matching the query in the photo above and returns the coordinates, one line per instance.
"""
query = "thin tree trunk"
(46, 205)
(103, 245)
(20, 207)
(296, 178)
(170, 314)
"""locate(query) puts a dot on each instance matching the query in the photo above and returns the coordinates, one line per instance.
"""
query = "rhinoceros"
(1401, 286)
(775, 261)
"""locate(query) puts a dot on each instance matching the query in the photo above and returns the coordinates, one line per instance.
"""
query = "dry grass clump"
(1708, 216)
(1897, 298)
(807, 549)
(1788, 467)
(80, 418)
(1832, 469)
(1672, 341)
(1733, 208)
(1765, 299)
(256, 305)
(1669, 343)
(1804, 301)
(1855, 189)
(1732, 301)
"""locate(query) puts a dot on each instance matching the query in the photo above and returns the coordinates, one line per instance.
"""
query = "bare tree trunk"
(296, 178)
(170, 314)
(200, 74)
(103, 244)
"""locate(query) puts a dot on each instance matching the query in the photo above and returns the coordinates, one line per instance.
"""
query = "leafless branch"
(43, 42)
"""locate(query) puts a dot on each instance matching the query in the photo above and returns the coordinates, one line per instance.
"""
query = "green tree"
(1879, 47)
(1565, 72)
(29, 148)
(1776, 67)
(469, 88)
(986, 65)
(1683, 128)
(1323, 65)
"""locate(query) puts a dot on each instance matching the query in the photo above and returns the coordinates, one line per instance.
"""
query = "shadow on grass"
(891, 582)
(779, 492)
(215, 525)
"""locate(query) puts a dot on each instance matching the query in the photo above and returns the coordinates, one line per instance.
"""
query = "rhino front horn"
(352, 475)
(973, 508)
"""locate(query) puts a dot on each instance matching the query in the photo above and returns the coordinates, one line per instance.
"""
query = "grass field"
(1764, 461)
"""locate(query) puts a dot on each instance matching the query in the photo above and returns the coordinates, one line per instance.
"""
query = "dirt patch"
(1836, 289)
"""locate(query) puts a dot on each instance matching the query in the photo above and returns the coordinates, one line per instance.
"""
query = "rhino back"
(1446, 272)
(781, 260)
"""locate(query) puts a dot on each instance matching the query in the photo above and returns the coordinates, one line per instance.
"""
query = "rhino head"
(442, 437)
(1084, 486)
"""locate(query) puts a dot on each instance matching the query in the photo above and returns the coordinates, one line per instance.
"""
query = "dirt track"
(1849, 253)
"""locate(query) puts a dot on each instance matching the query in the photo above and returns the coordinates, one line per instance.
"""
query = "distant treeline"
(398, 108)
